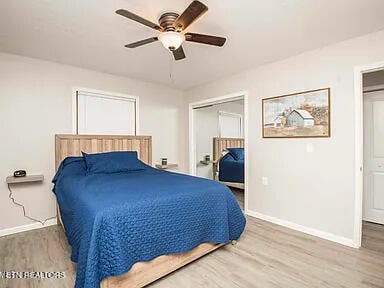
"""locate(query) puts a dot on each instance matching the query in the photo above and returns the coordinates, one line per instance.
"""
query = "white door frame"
(359, 149)
(192, 141)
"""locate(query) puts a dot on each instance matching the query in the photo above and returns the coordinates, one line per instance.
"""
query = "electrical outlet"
(264, 180)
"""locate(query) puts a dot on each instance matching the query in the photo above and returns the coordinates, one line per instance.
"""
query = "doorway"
(373, 146)
(369, 214)
(220, 118)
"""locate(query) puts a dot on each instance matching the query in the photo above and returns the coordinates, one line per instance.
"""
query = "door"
(373, 199)
(230, 125)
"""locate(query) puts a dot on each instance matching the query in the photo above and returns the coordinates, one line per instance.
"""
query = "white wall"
(206, 127)
(36, 103)
(313, 190)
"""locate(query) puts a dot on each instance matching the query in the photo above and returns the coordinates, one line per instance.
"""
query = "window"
(230, 125)
(104, 113)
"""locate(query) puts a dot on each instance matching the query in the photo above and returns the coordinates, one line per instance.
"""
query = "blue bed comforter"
(115, 220)
(231, 170)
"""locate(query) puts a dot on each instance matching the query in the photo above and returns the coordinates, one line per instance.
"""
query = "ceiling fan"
(172, 28)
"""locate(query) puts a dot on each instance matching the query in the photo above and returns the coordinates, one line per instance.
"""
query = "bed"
(228, 161)
(130, 228)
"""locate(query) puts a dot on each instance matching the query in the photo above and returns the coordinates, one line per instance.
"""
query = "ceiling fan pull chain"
(170, 67)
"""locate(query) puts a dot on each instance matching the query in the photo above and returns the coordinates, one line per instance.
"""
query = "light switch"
(264, 180)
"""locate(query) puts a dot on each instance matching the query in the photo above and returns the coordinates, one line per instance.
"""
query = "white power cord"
(22, 206)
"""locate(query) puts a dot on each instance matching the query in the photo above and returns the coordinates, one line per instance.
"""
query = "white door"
(373, 199)
(230, 125)
(103, 114)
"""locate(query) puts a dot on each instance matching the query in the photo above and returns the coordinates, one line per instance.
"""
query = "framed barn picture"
(299, 115)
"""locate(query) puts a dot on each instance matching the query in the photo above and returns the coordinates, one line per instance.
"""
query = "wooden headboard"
(222, 144)
(73, 145)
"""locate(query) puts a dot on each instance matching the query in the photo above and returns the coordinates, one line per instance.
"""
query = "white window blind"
(230, 125)
(105, 114)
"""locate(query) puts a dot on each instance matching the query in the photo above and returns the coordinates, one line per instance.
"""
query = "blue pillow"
(227, 157)
(237, 153)
(71, 166)
(113, 162)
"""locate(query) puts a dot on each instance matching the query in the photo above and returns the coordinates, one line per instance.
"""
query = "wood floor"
(239, 194)
(266, 256)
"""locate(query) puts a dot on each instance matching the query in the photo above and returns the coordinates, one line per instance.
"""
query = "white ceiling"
(88, 34)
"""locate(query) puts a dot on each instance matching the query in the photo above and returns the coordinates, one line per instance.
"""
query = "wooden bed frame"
(141, 273)
(221, 145)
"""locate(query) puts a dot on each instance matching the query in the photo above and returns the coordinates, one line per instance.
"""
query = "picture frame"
(304, 114)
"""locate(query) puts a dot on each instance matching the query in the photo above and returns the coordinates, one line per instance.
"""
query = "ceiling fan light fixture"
(171, 40)
(172, 29)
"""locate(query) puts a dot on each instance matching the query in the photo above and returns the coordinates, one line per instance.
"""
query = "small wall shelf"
(168, 166)
(25, 179)
(204, 162)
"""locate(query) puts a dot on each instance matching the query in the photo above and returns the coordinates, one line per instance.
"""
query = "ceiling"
(89, 34)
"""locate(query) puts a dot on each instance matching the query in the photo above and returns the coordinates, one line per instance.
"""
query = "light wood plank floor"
(266, 256)
(239, 194)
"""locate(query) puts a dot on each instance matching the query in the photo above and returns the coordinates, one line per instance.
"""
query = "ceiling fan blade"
(179, 53)
(194, 11)
(205, 39)
(142, 42)
(137, 18)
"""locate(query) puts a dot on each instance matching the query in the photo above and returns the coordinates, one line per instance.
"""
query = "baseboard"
(367, 219)
(304, 229)
(28, 227)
